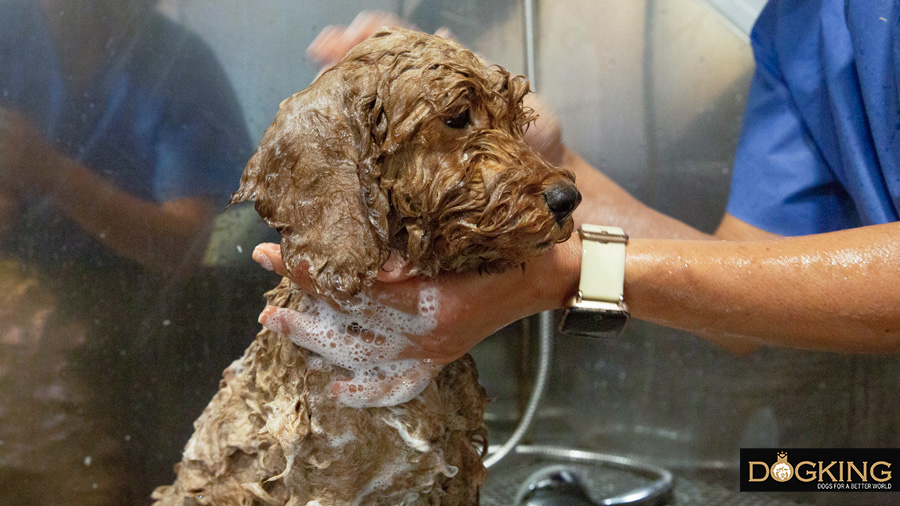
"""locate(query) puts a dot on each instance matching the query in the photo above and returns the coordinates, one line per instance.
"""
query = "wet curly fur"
(412, 145)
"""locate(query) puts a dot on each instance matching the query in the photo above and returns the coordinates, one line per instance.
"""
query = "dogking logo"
(837, 469)
(781, 470)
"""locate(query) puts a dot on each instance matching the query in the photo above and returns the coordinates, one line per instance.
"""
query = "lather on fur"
(411, 145)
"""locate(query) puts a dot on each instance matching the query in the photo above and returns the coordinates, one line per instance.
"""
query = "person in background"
(807, 255)
(120, 140)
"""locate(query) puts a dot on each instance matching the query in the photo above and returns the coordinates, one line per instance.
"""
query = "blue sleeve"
(202, 145)
(781, 181)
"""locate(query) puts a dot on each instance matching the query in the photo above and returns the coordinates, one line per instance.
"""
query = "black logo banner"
(819, 469)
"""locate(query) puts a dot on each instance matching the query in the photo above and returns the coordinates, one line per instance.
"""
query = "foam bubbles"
(420, 445)
(366, 338)
(386, 384)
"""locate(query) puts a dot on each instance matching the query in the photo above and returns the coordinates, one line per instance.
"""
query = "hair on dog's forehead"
(408, 50)
(416, 67)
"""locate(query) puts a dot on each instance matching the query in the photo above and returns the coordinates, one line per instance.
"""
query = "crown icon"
(782, 470)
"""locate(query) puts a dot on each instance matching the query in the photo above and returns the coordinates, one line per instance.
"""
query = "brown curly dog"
(410, 146)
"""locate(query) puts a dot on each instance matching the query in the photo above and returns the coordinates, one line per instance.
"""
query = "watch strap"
(603, 264)
(598, 309)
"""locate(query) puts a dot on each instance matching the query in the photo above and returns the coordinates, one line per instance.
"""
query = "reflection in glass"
(120, 139)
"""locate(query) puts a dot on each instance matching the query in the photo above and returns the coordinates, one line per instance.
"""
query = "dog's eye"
(461, 120)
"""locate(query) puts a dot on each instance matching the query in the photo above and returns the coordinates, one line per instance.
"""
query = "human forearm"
(166, 237)
(834, 291)
(606, 203)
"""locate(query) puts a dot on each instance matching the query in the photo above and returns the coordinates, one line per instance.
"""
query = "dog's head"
(410, 144)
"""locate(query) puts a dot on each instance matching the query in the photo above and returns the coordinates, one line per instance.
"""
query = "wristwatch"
(598, 309)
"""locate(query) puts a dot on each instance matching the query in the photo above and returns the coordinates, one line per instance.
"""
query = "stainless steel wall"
(652, 93)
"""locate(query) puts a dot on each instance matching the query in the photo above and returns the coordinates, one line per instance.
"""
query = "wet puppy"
(411, 146)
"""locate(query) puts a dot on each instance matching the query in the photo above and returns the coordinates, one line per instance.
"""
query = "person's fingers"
(400, 317)
(268, 255)
(333, 42)
(322, 49)
(396, 288)
(368, 22)
(445, 33)
(379, 378)
(394, 270)
(264, 255)
(384, 385)
(307, 330)
(294, 324)
(362, 26)
(339, 335)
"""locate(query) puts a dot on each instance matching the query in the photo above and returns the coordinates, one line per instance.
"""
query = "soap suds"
(417, 444)
(366, 338)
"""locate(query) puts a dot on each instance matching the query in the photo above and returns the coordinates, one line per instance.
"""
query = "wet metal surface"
(603, 481)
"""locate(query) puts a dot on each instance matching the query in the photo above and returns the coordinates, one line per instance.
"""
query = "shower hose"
(656, 492)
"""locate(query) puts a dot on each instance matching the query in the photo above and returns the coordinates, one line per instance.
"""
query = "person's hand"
(26, 158)
(411, 325)
(333, 42)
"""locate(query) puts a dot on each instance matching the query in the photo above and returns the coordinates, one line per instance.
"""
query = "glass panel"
(124, 288)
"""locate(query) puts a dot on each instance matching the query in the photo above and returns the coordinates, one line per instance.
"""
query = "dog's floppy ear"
(314, 178)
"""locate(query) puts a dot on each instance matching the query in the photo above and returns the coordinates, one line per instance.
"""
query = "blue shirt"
(160, 121)
(820, 146)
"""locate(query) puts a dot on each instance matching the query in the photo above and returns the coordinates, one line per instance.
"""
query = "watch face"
(591, 322)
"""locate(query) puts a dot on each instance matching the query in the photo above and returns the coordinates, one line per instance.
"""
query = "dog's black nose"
(562, 199)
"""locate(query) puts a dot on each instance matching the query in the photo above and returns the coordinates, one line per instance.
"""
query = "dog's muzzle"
(562, 199)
